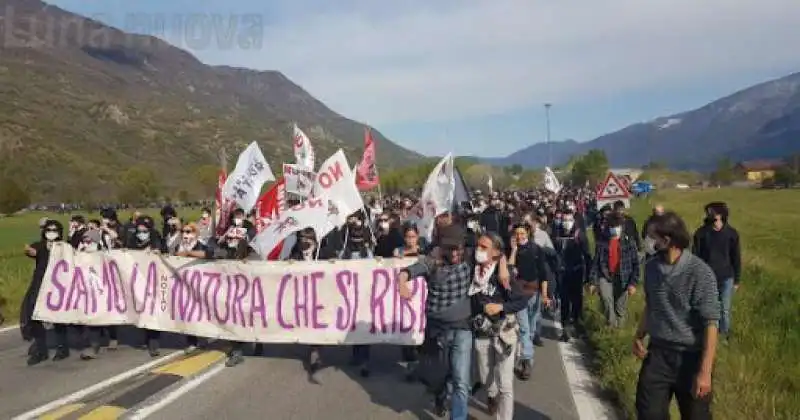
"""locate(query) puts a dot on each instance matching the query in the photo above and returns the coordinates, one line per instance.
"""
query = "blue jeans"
(530, 325)
(459, 344)
(725, 300)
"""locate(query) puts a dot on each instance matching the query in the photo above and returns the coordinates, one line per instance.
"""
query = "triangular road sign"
(612, 188)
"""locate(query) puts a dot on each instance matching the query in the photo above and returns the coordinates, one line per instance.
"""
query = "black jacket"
(513, 299)
(721, 250)
(573, 250)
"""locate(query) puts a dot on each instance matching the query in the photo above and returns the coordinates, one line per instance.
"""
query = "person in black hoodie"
(52, 233)
(495, 304)
(388, 237)
(717, 243)
(147, 238)
(77, 227)
(575, 261)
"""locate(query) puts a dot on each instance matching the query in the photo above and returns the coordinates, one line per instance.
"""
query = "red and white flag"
(367, 170)
(268, 208)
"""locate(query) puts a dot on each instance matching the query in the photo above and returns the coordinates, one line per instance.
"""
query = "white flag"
(551, 182)
(303, 151)
(299, 180)
(244, 183)
(437, 196)
(337, 184)
(309, 213)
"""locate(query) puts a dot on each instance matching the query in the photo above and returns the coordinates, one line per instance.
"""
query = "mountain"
(81, 101)
(762, 121)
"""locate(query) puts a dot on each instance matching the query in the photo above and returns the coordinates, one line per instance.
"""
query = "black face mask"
(306, 245)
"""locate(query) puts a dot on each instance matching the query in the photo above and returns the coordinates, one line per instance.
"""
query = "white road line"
(9, 328)
(71, 398)
(149, 409)
(585, 389)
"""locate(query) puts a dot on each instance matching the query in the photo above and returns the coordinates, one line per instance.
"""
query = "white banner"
(303, 151)
(252, 171)
(299, 180)
(337, 183)
(346, 302)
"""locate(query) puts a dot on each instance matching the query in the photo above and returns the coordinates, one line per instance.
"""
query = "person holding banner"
(189, 246)
(447, 349)
(31, 329)
(147, 239)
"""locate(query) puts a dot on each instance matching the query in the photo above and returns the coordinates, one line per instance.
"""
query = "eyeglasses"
(188, 231)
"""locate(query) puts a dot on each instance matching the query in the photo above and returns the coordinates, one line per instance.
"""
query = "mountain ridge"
(759, 121)
(81, 101)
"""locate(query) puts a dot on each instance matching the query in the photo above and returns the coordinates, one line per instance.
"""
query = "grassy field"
(16, 269)
(757, 374)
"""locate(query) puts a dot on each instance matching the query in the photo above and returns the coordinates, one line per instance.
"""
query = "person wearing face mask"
(204, 225)
(628, 224)
(447, 350)
(494, 306)
(531, 269)
(190, 246)
(387, 239)
(493, 219)
(305, 249)
(77, 227)
(147, 238)
(717, 243)
(575, 259)
(239, 234)
(52, 233)
(167, 213)
(358, 239)
(130, 228)
(172, 236)
(615, 271)
(681, 315)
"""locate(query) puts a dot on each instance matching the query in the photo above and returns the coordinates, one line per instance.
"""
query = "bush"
(13, 197)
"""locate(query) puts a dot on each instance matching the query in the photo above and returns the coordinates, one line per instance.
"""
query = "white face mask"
(481, 256)
(143, 236)
(384, 225)
(378, 209)
(472, 225)
(51, 236)
(238, 221)
(206, 215)
(90, 247)
(358, 223)
(568, 224)
(615, 231)
(650, 246)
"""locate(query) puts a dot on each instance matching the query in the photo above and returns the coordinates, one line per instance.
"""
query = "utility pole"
(549, 145)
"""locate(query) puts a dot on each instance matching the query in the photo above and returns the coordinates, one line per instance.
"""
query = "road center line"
(161, 401)
(78, 395)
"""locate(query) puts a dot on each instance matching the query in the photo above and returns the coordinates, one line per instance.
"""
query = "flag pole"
(223, 164)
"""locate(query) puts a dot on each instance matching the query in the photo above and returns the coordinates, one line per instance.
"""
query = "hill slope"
(80, 101)
(762, 121)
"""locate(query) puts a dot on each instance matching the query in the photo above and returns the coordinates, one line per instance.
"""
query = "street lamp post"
(549, 145)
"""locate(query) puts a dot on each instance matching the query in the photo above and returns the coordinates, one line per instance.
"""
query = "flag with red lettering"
(303, 151)
(336, 184)
(367, 170)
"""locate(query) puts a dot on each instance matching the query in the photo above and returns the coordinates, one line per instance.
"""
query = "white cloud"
(411, 61)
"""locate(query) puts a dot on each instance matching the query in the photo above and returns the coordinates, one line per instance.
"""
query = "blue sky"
(471, 77)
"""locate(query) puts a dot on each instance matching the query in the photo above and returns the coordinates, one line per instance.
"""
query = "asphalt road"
(273, 385)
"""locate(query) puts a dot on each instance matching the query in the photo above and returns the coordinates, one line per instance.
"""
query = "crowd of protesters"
(495, 267)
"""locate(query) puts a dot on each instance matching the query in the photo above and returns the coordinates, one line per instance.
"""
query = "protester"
(495, 305)
(447, 349)
(52, 233)
(533, 272)
(681, 315)
(628, 224)
(148, 239)
(575, 260)
(615, 270)
(717, 243)
(658, 210)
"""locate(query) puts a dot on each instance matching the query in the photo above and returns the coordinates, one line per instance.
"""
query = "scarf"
(187, 246)
(480, 283)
